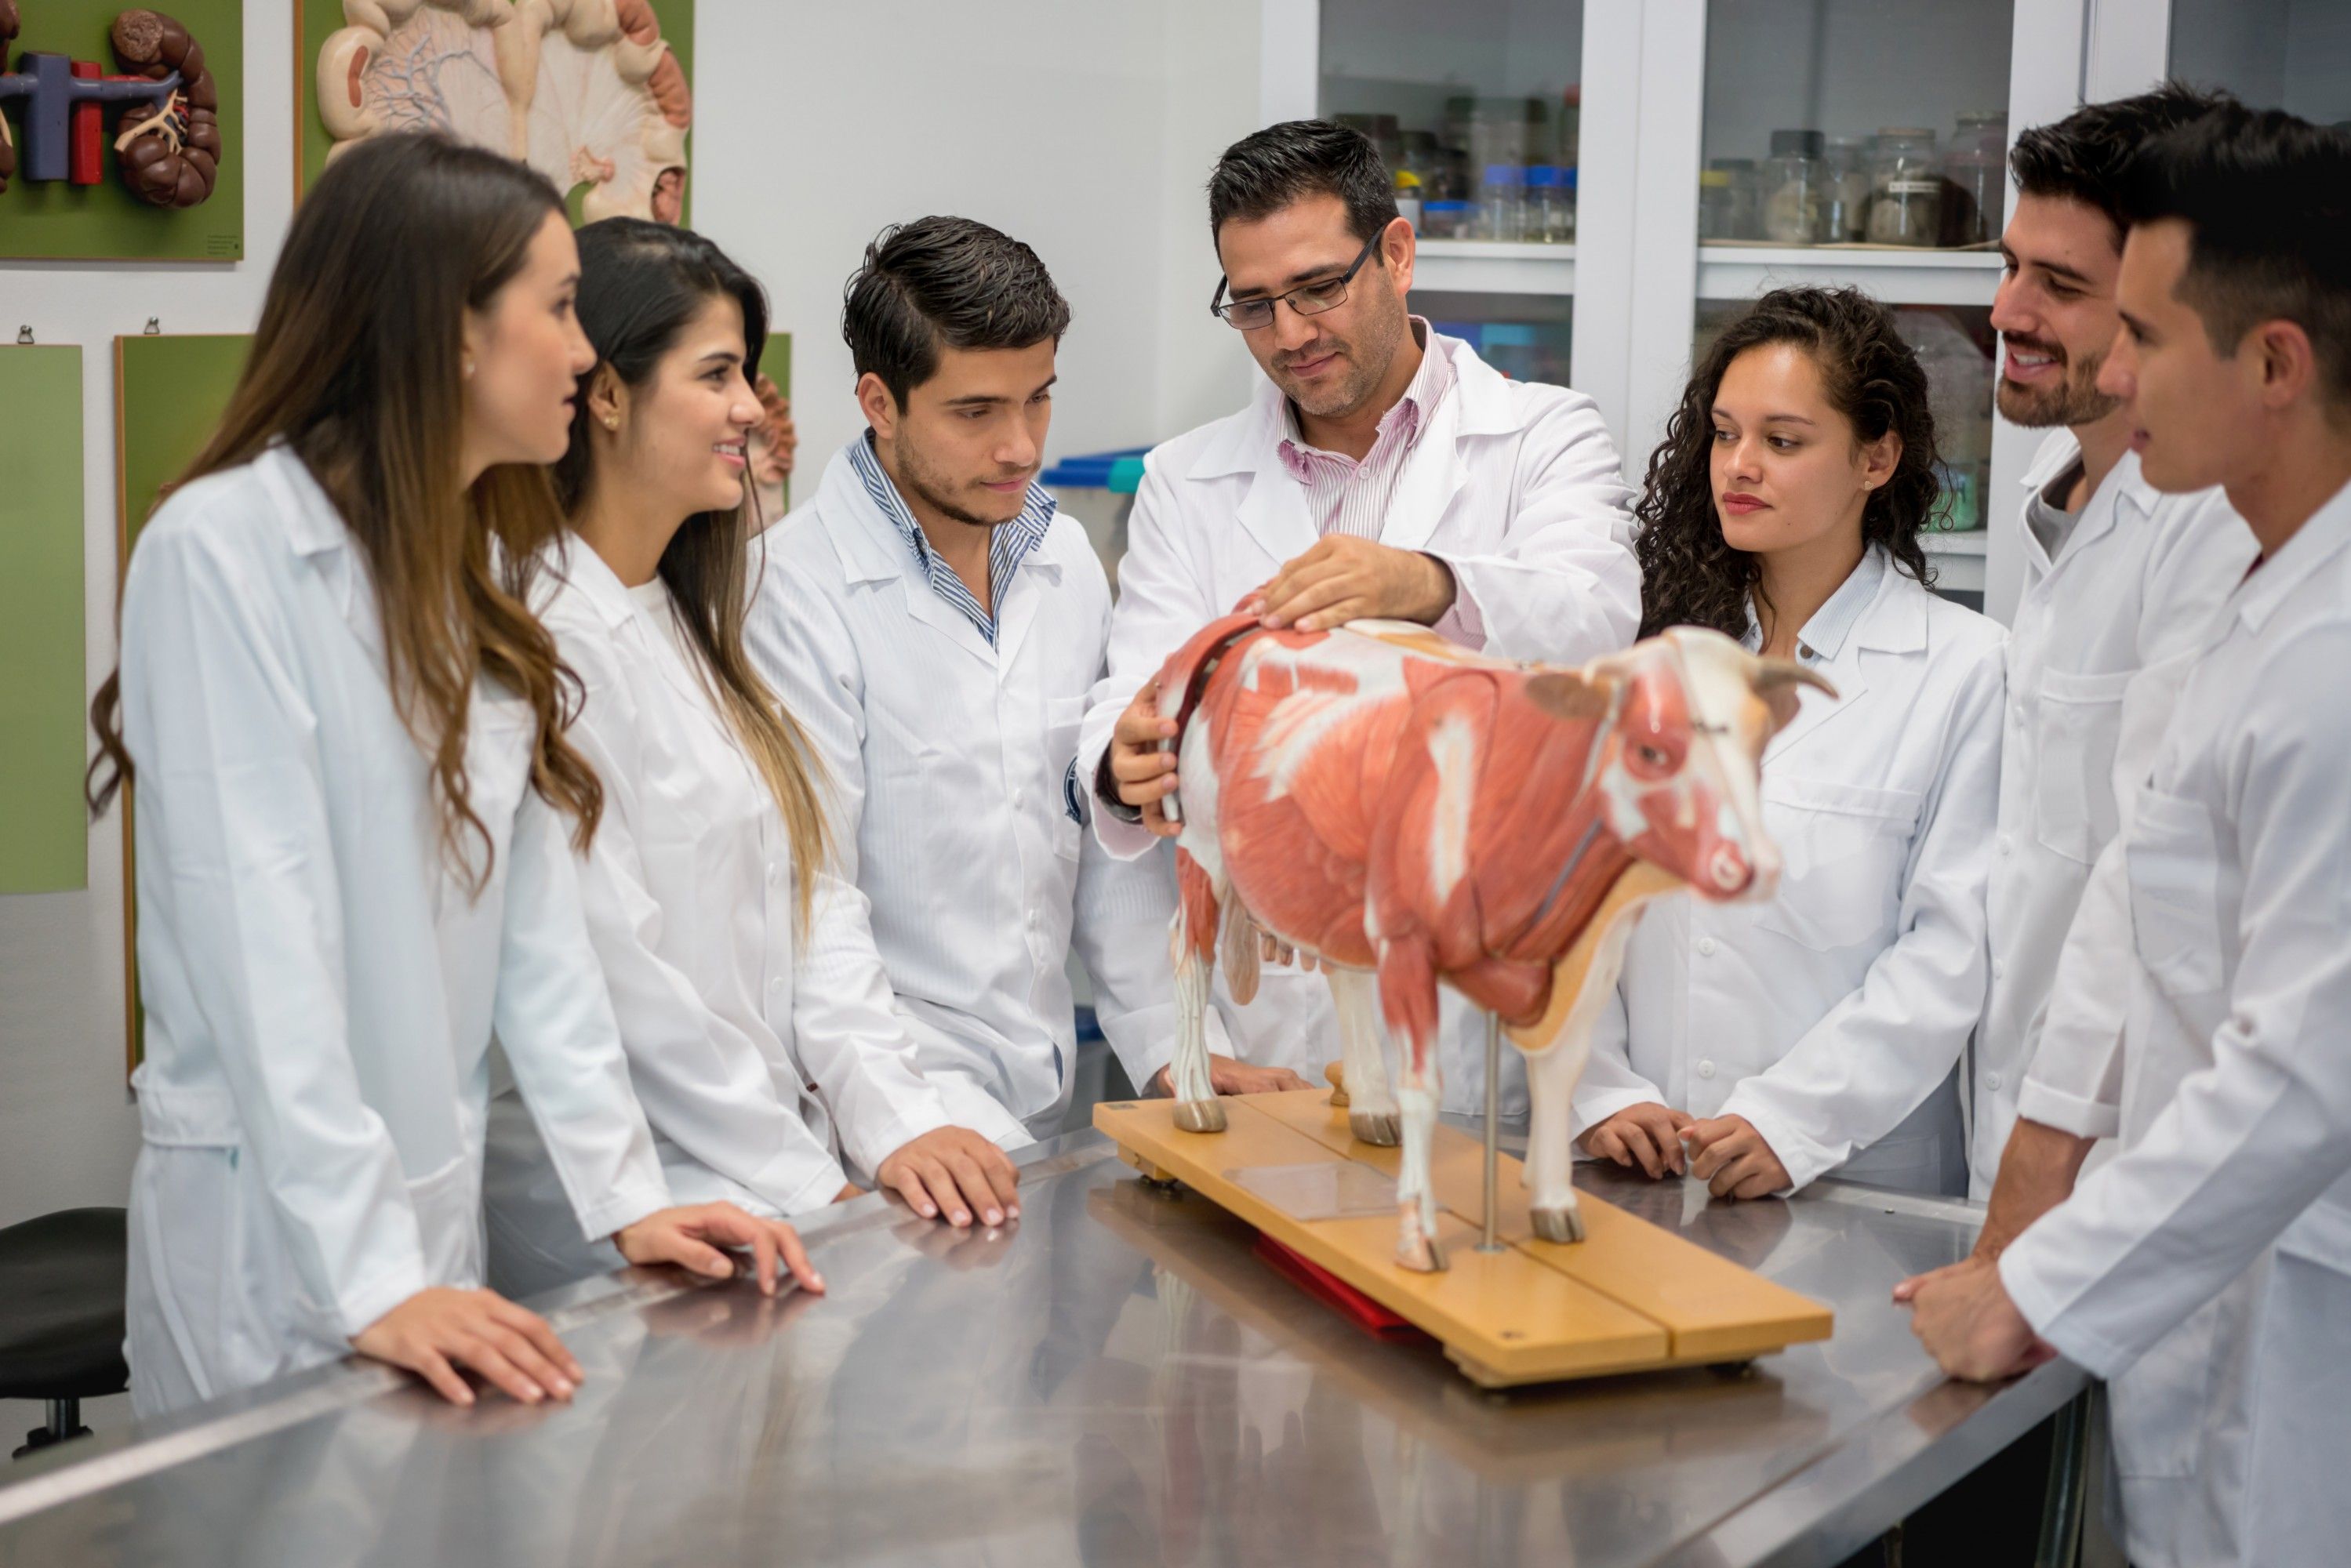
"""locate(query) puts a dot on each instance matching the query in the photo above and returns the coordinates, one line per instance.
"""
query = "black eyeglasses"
(1307, 298)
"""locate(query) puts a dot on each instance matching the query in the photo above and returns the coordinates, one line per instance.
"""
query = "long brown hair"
(641, 283)
(1690, 576)
(356, 366)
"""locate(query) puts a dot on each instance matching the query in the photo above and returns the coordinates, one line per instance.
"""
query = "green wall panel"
(44, 836)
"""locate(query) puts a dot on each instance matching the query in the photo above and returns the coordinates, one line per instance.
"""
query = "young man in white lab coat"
(1383, 470)
(2120, 579)
(2206, 1271)
(935, 627)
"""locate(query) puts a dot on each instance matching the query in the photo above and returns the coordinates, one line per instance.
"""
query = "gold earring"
(611, 422)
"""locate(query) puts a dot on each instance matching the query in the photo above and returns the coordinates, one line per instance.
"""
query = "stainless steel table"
(1118, 1379)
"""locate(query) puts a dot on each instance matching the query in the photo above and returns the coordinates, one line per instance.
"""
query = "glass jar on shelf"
(1905, 188)
(1795, 188)
(1845, 216)
(1975, 175)
(1543, 205)
(1407, 198)
(1444, 220)
(1501, 201)
(1727, 207)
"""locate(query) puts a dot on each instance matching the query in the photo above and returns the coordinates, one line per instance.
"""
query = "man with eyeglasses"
(1381, 470)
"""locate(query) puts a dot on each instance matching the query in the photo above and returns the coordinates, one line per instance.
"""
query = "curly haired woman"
(1760, 1046)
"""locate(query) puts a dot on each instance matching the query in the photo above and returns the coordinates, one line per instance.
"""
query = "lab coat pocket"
(2074, 812)
(2174, 894)
(448, 1207)
(220, 1281)
(2160, 1402)
(1064, 792)
(1843, 847)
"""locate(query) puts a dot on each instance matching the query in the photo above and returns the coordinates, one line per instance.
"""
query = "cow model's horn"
(1776, 680)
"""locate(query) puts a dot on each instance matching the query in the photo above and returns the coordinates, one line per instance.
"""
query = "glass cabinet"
(1711, 150)
(2294, 55)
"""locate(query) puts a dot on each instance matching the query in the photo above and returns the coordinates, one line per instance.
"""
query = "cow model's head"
(1690, 711)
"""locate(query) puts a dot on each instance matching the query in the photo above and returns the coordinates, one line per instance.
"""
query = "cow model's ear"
(1567, 696)
(1776, 680)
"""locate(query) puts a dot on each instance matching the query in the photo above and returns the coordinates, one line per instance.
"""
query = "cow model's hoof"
(1381, 1127)
(1415, 1248)
(1561, 1225)
(1421, 1254)
(1200, 1116)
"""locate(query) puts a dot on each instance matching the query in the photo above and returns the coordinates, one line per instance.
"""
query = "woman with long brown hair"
(1762, 1045)
(756, 1013)
(354, 802)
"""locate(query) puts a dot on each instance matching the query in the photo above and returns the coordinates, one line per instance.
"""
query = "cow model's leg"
(1408, 998)
(1195, 945)
(1558, 1045)
(1371, 1103)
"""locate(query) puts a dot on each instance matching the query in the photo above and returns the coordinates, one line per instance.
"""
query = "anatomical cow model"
(1406, 811)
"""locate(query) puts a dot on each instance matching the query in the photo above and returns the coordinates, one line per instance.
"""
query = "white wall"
(1086, 129)
(67, 1129)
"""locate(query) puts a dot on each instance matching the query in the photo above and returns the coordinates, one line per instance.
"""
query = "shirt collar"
(1009, 544)
(1823, 636)
(1406, 419)
(2313, 545)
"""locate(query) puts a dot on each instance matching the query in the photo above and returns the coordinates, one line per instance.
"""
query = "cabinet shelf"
(1493, 266)
(1898, 277)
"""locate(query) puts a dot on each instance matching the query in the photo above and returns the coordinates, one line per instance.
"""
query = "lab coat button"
(1991, 1080)
(1706, 1069)
(2006, 844)
(1705, 946)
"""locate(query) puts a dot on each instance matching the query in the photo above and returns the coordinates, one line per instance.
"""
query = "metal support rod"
(1492, 1241)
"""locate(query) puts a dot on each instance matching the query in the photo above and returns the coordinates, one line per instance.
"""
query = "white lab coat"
(2205, 1272)
(2102, 638)
(751, 1055)
(1515, 485)
(1832, 1016)
(956, 804)
(321, 991)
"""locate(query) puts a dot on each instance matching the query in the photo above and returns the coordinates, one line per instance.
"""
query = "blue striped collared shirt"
(1009, 543)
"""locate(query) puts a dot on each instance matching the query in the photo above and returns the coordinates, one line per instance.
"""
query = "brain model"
(585, 91)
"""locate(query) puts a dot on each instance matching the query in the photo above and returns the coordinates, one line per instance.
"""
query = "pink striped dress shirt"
(1344, 495)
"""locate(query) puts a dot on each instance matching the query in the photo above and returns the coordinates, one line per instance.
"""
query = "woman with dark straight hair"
(755, 1010)
(354, 797)
(1763, 1045)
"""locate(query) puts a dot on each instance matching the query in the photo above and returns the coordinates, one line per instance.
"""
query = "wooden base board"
(1628, 1298)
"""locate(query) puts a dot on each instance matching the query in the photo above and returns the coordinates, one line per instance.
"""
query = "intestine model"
(585, 91)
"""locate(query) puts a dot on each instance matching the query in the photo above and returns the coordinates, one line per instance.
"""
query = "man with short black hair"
(2206, 1272)
(2120, 582)
(1383, 470)
(935, 626)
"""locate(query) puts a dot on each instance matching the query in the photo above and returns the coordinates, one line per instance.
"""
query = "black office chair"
(61, 1279)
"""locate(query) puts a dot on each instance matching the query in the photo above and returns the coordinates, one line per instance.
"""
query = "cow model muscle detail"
(1406, 811)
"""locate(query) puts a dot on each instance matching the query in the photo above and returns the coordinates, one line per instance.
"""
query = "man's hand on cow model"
(1647, 1135)
(1964, 1317)
(1143, 775)
(1731, 1156)
(1346, 578)
(953, 1172)
(1228, 1076)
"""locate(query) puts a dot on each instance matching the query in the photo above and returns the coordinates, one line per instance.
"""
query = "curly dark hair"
(1689, 575)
